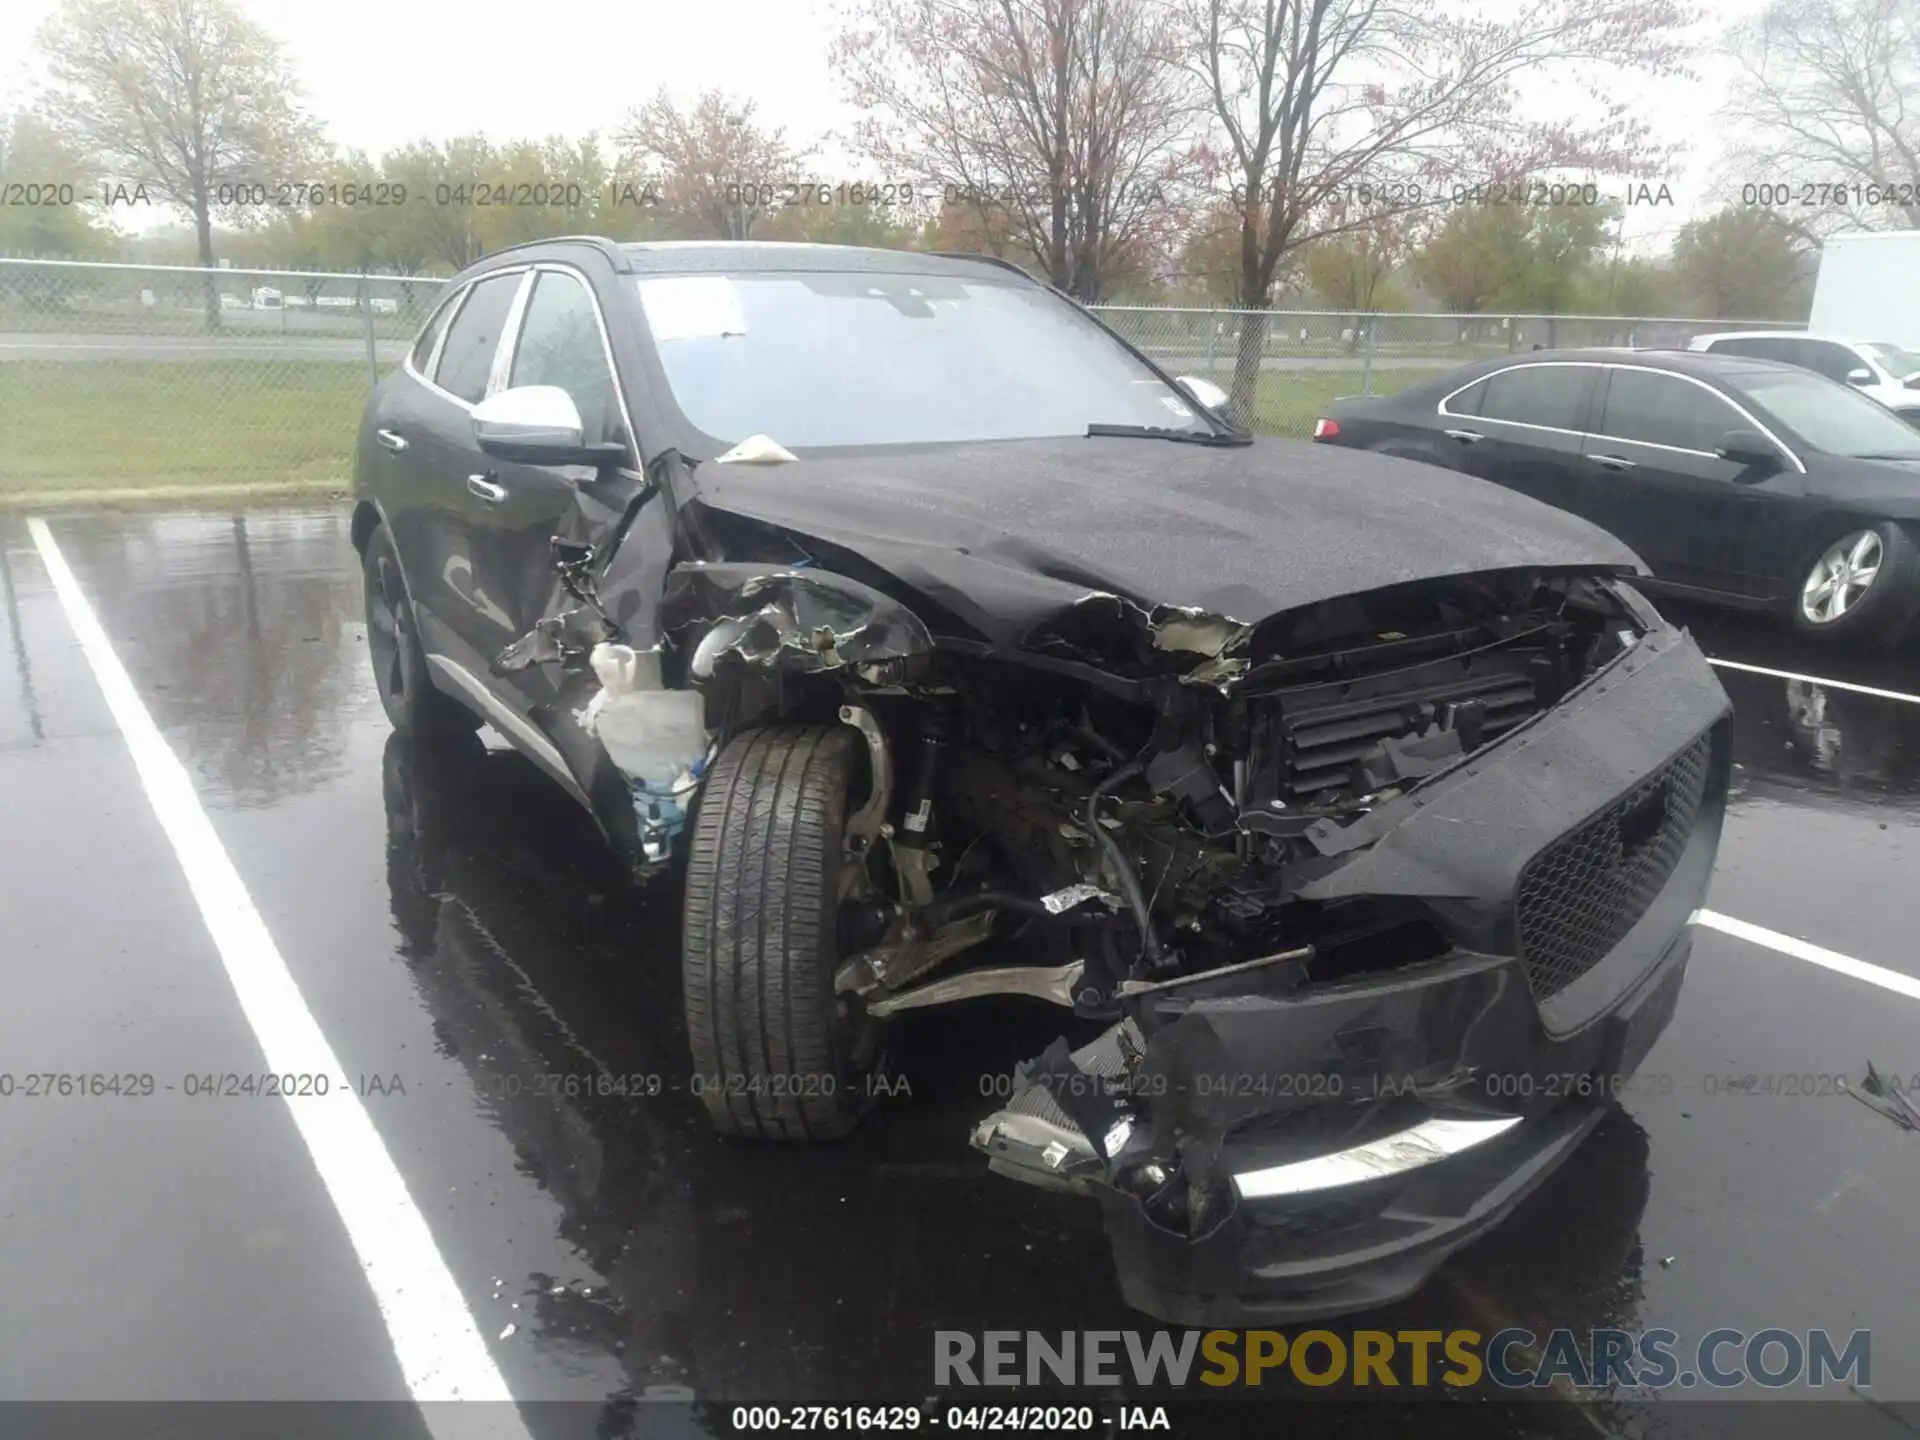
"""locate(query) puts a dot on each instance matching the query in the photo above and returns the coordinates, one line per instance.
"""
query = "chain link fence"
(156, 377)
(116, 376)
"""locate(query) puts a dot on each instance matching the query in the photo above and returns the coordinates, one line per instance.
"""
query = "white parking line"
(1816, 680)
(1813, 954)
(441, 1353)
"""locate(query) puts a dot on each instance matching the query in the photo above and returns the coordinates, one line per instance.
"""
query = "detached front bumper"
(1266, 1150)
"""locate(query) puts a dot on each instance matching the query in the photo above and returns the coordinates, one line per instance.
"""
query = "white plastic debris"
(1058, 901)
(656, 737)
(757, 450)
(507, 1334)
(649, 731)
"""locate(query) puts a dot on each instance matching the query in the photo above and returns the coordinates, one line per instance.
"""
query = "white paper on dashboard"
(692, 307)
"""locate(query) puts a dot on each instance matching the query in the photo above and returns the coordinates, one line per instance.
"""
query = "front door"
(522, 506)
(1651, 477)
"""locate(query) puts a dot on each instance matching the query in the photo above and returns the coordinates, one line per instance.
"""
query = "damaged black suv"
(1351, 814)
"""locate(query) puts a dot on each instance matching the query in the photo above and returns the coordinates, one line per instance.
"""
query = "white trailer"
(1869, 288)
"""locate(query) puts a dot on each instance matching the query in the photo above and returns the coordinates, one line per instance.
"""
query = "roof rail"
(611, 250)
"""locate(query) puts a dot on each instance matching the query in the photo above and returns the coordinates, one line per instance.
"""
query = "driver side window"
(1656, 409)
(560, 345)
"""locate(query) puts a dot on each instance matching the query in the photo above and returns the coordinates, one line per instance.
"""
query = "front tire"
(414, 706)
(1861, 584)
(776, 1055)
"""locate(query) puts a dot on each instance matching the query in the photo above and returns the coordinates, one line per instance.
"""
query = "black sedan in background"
(1741, 481)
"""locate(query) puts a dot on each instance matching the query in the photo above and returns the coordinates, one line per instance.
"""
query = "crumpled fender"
(796, 619)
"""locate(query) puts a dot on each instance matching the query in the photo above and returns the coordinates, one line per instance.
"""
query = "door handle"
(1613, 462)
(1465, 437)
(488, 491)
(391, 439)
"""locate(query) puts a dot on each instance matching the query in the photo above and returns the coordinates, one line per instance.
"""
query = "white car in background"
(1881, 371)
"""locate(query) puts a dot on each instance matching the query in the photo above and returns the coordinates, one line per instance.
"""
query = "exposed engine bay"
(1147, 797)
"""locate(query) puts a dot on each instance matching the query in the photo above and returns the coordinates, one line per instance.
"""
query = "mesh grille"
(1579, 897)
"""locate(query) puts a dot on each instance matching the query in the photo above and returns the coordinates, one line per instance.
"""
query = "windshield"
(1831, 417)
(832, 358)
(1901, 364)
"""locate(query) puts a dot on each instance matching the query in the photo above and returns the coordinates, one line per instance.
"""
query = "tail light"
(1325, 429)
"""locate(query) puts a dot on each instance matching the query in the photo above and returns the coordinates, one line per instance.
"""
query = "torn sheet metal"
(609, 555)
(574, 623)
(1116, 633)
(803, 621)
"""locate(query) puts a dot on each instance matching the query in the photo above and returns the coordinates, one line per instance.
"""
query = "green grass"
(111, 431)
(127, 432)
(1289, 401)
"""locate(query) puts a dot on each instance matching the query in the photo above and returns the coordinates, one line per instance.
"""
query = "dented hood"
(1006, 534)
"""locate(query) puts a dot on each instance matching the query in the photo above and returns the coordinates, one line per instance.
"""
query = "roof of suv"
(698, 257)
(682, 256)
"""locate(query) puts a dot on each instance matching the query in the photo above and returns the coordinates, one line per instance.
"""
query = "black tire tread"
(425, 709)
(760, 934)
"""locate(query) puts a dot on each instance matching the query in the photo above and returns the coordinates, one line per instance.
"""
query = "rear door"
(1522, 427)
(464, 619)
(1650, 475)
(404, 406)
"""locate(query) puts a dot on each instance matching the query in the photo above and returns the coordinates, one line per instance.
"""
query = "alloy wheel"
(386, 611)
(1841, 577)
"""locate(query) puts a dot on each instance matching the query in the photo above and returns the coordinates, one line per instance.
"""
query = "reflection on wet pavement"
(250, 628)
(1803, 735)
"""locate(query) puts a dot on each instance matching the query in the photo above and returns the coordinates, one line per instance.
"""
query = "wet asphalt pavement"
(468, 946)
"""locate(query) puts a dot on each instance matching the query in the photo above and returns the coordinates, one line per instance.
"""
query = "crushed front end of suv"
(1349, 815)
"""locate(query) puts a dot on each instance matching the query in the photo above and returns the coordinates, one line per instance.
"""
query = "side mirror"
(1202, 391)
(537, 425)
(1748, 447)
(1860, 376)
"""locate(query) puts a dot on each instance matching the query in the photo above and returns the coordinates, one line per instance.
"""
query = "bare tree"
(1827, 102)
(716, 172)
(1332, 113)
(188, 97)
(1058, 123)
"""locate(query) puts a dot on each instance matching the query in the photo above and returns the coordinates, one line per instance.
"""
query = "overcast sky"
(382, 72)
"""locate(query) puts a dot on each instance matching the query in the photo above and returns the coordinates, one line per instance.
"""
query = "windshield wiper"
(1168, 432)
